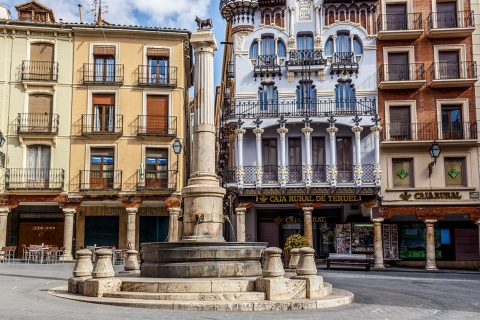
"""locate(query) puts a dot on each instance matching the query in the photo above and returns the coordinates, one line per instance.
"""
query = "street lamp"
(434, 153)
(177, 148)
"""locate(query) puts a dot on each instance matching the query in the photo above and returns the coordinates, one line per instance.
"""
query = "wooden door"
(157, 114)
(36, 233)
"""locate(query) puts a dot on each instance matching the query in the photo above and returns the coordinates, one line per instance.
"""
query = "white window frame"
(404, 49)
(445, 102)
(402, 103)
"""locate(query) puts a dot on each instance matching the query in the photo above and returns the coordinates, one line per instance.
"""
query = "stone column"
(334, 38)
(3, 225)
(131, 223)
(377, 171)
(358, 155)
(259, 167)
(240, 173)
(308, 155)
(430, 245)
(203, 197)
(307, 224)
(333, 155)
(68, 233)
(378, 243)
(173, 214)
(240, 212)
(283, 168)
(478, 224)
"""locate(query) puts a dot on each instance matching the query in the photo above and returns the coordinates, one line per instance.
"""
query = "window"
(319, 173)
(345, 94)
(455, 171)
(402, 172)
(39, 118)
(344, 159)
(156, 168)
(101, 168)
(306, 95)
(157, 115)
(270, 159)
(342, 43)
(329, 47)
(305, 42)
(41, 66)
(448, 65)
(267, 45)
(38, 163)
(103, 112)
(281, 51)
(446, 14)
(400, 123)
(268, 97)
(254, 50)
(357, 47)
(452, 125)
(104, 63)
(397, 69)
(158, 65)
(396, 16)
(295, 159)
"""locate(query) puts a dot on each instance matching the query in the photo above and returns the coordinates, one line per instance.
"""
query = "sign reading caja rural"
(309, 199)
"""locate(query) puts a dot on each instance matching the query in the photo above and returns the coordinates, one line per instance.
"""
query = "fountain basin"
(201, 259)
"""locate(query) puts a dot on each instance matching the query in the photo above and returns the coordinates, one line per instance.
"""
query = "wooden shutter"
(396, 8)
(398, 66)
(157, 114)
(448, 65)
(41, 52)
(104, 50)
(158, 52)
(156, 153)
(396, 17)
(447, 14)
(103, 99)
(318, 151)
(448, 56)
(40, 103)
(102, 152)
(400, 123)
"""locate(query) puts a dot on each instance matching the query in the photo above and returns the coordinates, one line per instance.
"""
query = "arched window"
(357, 46)
(345, 94)
(306, 95)
(268, 97)
(342, 42)
(329, 47)
(281, 51)
(267, 45)
(254, 50)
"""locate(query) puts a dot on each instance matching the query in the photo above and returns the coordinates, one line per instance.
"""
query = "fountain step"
(189, 296)
(187, 285)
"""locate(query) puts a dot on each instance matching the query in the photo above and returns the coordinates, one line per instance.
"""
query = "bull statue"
(203, 23)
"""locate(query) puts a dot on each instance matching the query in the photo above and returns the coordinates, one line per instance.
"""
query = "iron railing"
(450, 19)
(39, 70)
(108, 73)
(100, 180)
(102, 124)
(398, 22)
(401, 72)
(37, 123)
(34, 179)
(267, 65)
(453, 70)
(341, 59)
(157, 76)
(306, 57)
(430, 131)
(301, 108)
(160, 180)
(319, 173)
(150, 125)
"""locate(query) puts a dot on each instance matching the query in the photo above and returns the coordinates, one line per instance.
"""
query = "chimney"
(80, 12)
(100, 20)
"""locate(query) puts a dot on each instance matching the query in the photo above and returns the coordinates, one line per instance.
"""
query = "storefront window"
(413, 241)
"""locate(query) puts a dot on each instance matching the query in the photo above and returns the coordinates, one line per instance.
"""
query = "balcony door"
(38, 170)
(41, 62)
(270, 160)
(398, 66)
(104, 63)
(39, 117)
(102, 168)
(448, 65)
(268, 98)
(396, 16)
(157, 114)
(103, 113)
(452, 125)
(400, 125)
(344, 159)
(156, 168)
(295, 160)
(158, 65)
(446, 14)
(318, 160)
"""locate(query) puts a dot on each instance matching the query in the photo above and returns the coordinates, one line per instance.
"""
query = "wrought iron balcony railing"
(397, 22)
(39, 70)
(34, 179)
(301, 108)
(104, 180)
(157, 76)
(102, 124)
(267, 65)
(149, 125)
(37, 123)
(401, 72)
(430, 131)
(108, 73)
(159, 180)
(453, 70)
(450, 19)
(306, 58)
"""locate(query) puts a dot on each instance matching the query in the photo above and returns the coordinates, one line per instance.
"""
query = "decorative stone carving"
(304, 9)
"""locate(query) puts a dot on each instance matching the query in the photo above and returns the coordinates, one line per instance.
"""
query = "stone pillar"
(283, 168)
(83, 265)
(131, 264)
(240, 212)
(3, 225)
(430, 245)
(240, 172)
(131, 223)
(306, 262)
(68, 233)
(334, 38)
(358, 155)
(308, 155)
(307, 224)
(377, 171)
(378, 243)
(203, 197)
(103, 264)
(294, 257)
(332, 169)
(259, 168)
(173, 214)
(273, 266)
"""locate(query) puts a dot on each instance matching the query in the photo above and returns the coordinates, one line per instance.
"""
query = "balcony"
(451, 24)
(295, 174)
(157, 76)
(34, 179)
(344, 63)
(102, 125)
(250, 109)
(271, 3)
(157, 181)
(100, 180)
(102, 73)
(266, 66)
(452, 74)
(156, 126)
(299, 60)
(401, 76)
(37, 123)
(39, 71)
(430, 131)
(399, 26)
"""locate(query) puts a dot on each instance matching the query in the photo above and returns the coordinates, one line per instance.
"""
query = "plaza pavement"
(393, 293)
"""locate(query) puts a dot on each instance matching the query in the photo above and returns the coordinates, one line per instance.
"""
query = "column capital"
(378, 220)
(311, 206)
(307, 130)
(291, 9)
(67, 211)
(4, 211)
(332, 130)
(430, 221)
(174, 211)
(375, 128)
(203, 41)
(240, 131)
(240, 210)
(477, 222)
(307, 211)
(258, 131)
(282, 130)
(174, 201)
(131, 210)
(357, 129)
(244, 205)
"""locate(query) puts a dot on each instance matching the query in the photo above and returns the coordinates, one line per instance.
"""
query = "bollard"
(83, 265)
(294, 256)
(306, 262)
(131, 265)
(273, 263)
(103, 264)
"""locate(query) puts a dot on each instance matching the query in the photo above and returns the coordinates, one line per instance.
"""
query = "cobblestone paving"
(393, 293)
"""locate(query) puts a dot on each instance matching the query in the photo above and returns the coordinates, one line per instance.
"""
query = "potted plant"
(294, 241)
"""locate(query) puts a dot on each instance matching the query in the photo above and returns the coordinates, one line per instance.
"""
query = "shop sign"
(279, 219)
(437, 195)
(42, 228)
(309, 199)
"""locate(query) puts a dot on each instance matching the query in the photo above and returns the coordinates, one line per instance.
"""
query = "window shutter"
(157, 105)
(396, 8)
(39, 103)
(156, 153)
(103, 99)
(398, 58)
(400, 122)
(158, 52)
(104, 50)
(102, 152)
(41, 52)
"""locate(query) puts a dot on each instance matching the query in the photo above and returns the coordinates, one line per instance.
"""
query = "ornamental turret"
(239, 12)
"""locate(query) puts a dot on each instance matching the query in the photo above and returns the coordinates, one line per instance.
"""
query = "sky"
(146, 13)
